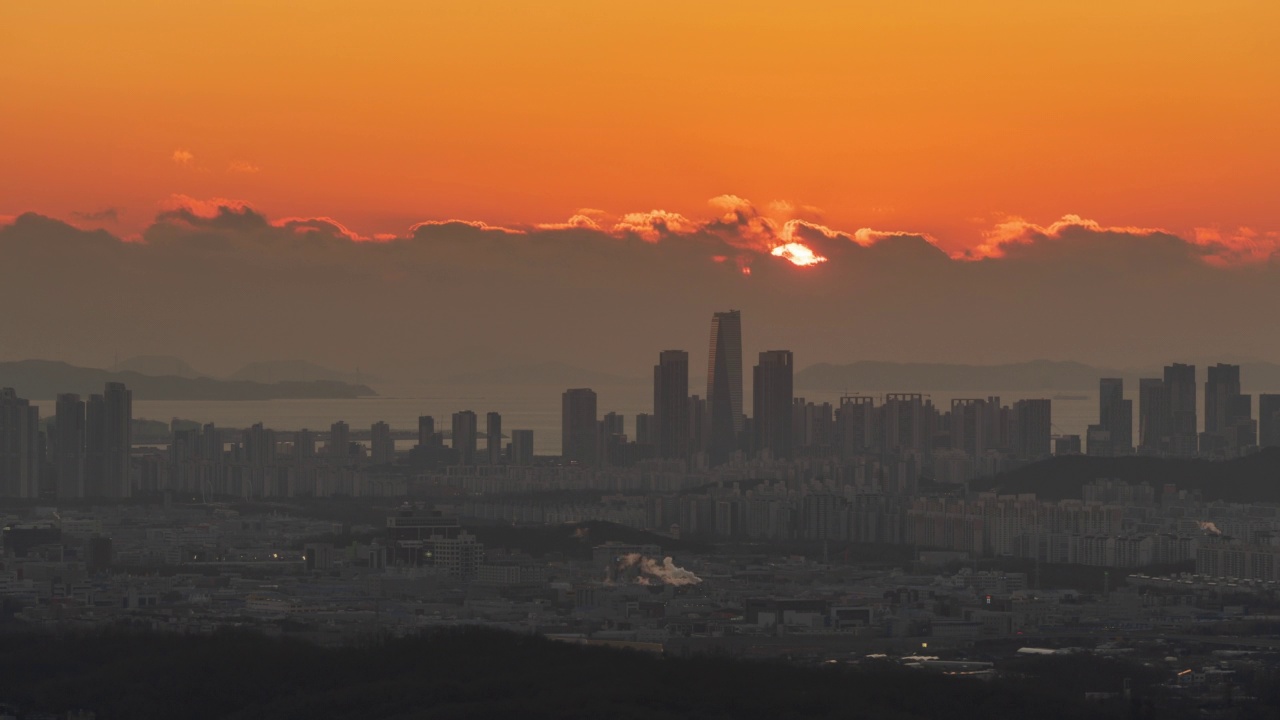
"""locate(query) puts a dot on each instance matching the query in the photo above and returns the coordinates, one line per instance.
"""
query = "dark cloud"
(221, 282)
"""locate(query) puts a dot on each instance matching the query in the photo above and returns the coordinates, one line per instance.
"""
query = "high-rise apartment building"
(1153, 416)
(724, 385)
(1269, 420)
(258, 446)
(772, 397)
(1180, 383)
(304, 446)
(427, 431)
(95, 445)
(646, 429)
(522, 447)
(578, 425)
(699, 425)
(856, 425)
(339, 444)
(464, 436)
(904, 423)
(1032, 428)
(117, 481)
(19, 446)
(671, 405)
(493, 438)
(613, 424)
(1221, 385)
(1115, 417)
(382, 447)
(1242, 430)
(68, 446)
(968, 431)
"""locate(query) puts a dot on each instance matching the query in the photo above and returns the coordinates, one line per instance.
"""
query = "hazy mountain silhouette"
(159, 365)
(272, 371)
(44, 379)
(546, 373)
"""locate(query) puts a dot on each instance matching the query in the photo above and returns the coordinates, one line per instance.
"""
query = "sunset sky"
(457, 185)
(944, 118)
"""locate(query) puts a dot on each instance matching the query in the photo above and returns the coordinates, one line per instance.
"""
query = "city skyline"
(88, 451)
(415, 359)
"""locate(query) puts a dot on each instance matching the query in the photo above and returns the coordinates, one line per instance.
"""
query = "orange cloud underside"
(946, 118)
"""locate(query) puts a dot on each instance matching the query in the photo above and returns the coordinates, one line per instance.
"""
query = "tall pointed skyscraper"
(724, 385)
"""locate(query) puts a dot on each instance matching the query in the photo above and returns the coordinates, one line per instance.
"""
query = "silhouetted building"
(1180, 383)
(1269, 420)
(1153, 416)
(699, 425)
(464, 436)
(339, 446)
(724, 385)
(646, 429)
(304, 446)
(258, 446)
(1115, 416)
(968, 432)
(579, 427)
(904, 423)
(427, 436)
(382, 447)
(116, 479)
(522, 447)
(493, 438)
(1241, 431)
(856, 425)
(1098, 441)
(19, 447)
(68, 446)
(772, 396)
(1032, 428)
(670, 406)
(1221, 385)
(613, 424)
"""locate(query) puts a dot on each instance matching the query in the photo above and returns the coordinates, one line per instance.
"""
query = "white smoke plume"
(1209, 527)
(652, 572)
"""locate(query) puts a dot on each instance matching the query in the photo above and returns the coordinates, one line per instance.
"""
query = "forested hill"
(483, 674)
(1254, 478)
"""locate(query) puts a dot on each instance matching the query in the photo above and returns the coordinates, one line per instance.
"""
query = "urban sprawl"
(752, 530)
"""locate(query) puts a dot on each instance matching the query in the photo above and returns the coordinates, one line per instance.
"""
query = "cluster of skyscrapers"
(465, 440)
(714, 430)
(89, 447)
(1168, 419)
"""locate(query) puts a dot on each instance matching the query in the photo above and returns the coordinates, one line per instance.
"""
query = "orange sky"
(941, 117)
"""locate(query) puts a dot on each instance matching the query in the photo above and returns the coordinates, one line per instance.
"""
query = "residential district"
(809, 531)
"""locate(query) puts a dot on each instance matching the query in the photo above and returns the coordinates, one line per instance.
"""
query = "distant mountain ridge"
(546, 373)
(159, 365)
(271, 371)
(45, 379)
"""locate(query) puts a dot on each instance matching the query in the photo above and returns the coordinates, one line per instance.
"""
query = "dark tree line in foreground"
(475, 673)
